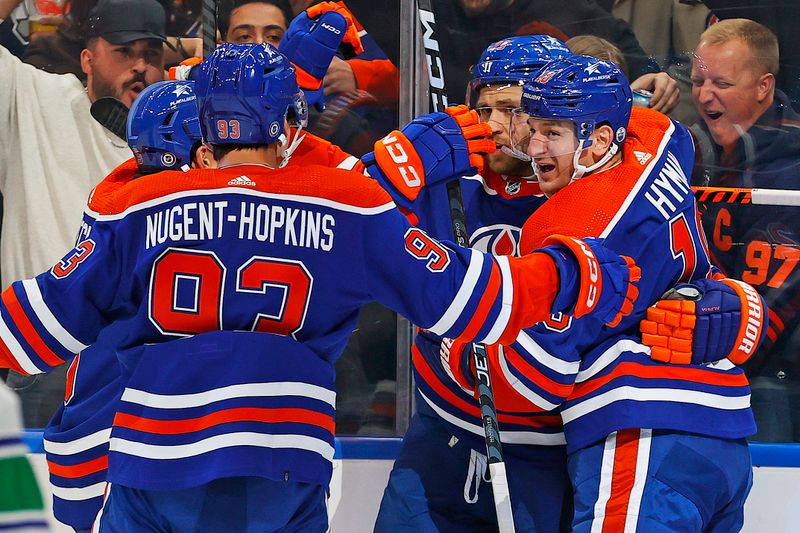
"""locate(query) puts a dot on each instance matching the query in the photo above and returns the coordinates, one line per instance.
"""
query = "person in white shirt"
(52, 152)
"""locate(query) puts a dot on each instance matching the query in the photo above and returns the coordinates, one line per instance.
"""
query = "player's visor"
(535, 138)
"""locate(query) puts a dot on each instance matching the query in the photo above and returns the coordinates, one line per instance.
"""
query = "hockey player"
(438, 480)
(420, 480)
(163, 132)
(193, 256)
(651, 447)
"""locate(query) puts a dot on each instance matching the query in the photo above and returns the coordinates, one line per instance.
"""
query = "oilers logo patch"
(168, 159)
(498, 239)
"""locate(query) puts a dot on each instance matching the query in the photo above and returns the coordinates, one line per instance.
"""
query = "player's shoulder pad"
(348, 187)
(120, 191)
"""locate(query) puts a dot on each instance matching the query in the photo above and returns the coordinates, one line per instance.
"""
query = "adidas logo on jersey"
(643, 157)
(242, 181)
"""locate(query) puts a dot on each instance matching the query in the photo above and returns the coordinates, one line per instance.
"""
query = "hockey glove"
(706, 321)
(431, 149)
(311, 41)
(604, 285)
(183, 71)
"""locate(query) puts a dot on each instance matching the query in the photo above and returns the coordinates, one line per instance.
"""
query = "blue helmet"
(163, 126)
(244, 94)
(515, 60)
(585, 90)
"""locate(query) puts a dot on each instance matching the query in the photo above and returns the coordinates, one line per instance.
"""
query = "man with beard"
(474, 24)
(53, 152)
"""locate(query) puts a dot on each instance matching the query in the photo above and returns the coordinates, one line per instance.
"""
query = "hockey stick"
(494, 449)
(112, 114)
(208, 18)
(732, 195)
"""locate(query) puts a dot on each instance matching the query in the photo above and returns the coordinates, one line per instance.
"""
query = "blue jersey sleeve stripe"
(48, 320)
(609, 356)
(29, 315)
(525, 345)
(225, 440)
(465, 292)
(501, 323)
(640, 395)
(79, 494)
(79, 445)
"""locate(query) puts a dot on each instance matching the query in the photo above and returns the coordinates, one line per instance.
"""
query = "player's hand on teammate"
(666, 92)
(706, 321)
(310, 42)
(430, 150)
(606, 284)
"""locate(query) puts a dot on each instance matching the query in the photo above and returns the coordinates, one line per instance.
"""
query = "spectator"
(749, 138)
(471, 26)
(592, 45)
(668, 30)
(781, 17)
(53, 152)
(254, 21)
(60, 51)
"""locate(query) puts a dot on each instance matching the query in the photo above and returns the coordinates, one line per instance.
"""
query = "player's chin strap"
(581, 170)
(292, 146)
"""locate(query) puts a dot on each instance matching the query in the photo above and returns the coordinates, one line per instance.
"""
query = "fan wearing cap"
(124, 52)
(52, 152)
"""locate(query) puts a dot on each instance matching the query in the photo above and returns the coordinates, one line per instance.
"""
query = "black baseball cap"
(125, 21)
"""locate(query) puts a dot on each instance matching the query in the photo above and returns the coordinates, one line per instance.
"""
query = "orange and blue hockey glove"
(311, 41)
(430, 150)
(706, 321)
(604, 285)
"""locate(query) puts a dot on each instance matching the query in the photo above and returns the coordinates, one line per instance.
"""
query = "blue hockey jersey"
(602, 379)
(281, 261)
(76, 438)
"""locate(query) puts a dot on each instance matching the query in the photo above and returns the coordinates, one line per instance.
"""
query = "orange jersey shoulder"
(313, 182)
(315, 150)
(586, 207)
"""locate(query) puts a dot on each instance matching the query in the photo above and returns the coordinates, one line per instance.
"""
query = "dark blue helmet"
(163, 126)
(244, 92)
(514, 60)
(585, 90)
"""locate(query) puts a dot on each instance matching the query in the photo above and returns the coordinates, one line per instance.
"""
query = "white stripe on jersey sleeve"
(80, 445)
(532, 348)
(609, 356)
(79, 494)
(462, 296)
(506, 437)
(242, 390)
(508, 300)
(348, 163)
(218, 442)
(16, 349)
(706, 399)
(49, 321)
(520, 387)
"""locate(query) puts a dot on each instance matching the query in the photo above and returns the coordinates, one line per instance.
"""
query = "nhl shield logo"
(513, 187)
